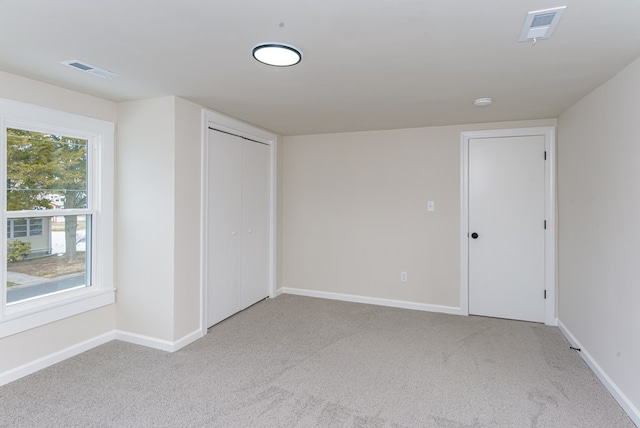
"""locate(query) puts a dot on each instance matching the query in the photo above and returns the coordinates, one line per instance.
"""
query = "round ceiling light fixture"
(277, 54)
(482, 102)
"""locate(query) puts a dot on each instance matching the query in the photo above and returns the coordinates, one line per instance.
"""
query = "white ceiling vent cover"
(541, 23)
(87, 68)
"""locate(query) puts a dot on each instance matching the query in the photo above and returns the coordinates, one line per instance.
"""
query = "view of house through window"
(48, 247)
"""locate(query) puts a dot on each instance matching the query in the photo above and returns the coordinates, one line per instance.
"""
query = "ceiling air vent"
(87, 68)
(541, 23)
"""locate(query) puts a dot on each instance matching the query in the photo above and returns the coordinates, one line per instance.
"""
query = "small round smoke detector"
(482, 102)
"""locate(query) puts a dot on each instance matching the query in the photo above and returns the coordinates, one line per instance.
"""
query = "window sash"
(91, 165)
(12, 217)
(59, 277)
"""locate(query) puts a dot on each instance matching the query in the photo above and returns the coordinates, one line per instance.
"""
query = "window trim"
(100, 185)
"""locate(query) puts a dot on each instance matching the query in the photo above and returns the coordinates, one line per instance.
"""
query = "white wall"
(188, 142)
(599, 227)
(158, 218)
(145, 201)
(354, 212)
(26, 347)
(42, 94)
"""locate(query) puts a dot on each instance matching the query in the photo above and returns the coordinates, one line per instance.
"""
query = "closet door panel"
(224, 235)
(255, 222)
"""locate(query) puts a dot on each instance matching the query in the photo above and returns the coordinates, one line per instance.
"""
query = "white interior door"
(255, 222)
(224, 226)
(507, 212)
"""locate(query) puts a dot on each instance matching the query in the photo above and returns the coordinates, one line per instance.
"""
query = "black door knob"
(474, 235)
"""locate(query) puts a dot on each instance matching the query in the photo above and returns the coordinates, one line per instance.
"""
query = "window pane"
(35, 226)
(19, 228)
(45, 171)
(56, 260)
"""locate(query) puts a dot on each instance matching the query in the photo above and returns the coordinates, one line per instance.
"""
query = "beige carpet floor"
(303, 362)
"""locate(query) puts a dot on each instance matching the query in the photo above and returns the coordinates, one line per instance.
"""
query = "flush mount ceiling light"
(277, 54)
(481, 102)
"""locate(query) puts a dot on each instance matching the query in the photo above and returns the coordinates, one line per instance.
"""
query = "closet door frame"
(241, 129)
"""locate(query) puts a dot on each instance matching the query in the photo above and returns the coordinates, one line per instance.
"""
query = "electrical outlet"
(431, 206)
(403, 277)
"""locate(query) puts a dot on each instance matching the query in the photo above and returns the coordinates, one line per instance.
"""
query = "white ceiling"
(367, 64)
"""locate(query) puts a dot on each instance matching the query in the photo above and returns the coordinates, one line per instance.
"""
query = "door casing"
(550, 213)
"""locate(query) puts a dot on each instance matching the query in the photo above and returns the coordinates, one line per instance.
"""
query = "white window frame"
(21, 316)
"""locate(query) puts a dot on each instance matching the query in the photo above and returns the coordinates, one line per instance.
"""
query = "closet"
(237, 241)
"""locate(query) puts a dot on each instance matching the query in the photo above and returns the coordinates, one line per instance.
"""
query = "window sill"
(39, 316)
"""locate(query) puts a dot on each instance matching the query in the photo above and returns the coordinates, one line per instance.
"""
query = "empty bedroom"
(320, 214)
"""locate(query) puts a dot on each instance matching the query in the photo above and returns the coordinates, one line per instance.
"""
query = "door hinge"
(545, 155)
(545, 224)
(545, 294)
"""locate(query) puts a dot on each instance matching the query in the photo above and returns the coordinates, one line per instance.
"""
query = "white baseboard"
(188, 339)
(278, 292)
(56, 357)
(155, 343)
(148, 341)
(374, 301)
(617, 394)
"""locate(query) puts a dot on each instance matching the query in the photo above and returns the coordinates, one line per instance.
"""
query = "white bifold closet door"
(238, 224)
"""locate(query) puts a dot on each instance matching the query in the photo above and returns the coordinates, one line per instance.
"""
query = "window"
(58, 170)
(43, 167)
(34, 227)
(18, 228)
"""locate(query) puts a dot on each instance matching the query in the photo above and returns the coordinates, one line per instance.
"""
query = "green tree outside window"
(42, 167)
